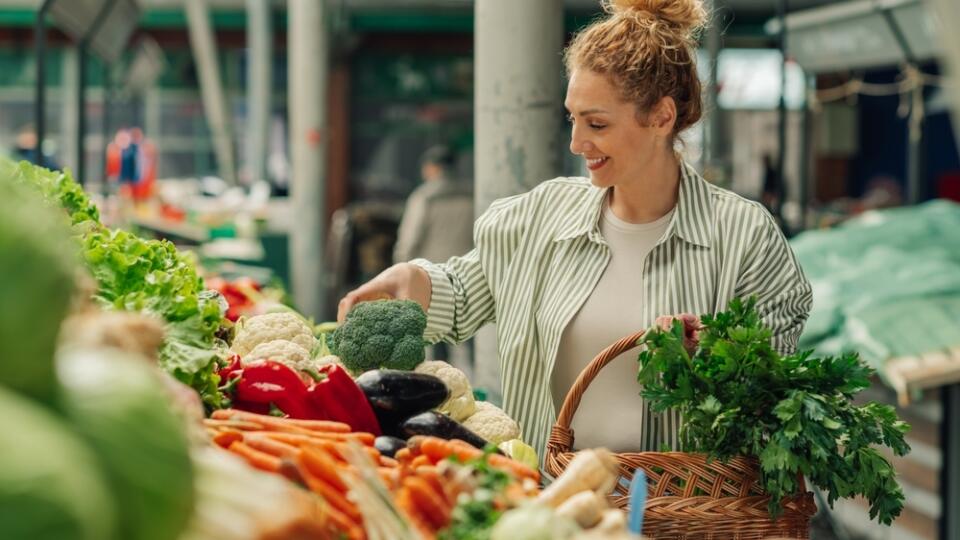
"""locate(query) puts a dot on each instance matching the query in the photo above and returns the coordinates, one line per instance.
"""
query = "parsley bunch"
(738, 396)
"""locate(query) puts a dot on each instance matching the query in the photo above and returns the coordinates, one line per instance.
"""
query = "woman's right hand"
(403, 281)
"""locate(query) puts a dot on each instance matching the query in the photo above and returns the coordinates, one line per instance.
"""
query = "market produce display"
(740, 397)
(146, 410)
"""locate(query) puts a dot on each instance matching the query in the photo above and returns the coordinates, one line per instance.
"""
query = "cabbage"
(533, 522)
(51, 487)
(37, 270)
(117, 402)
(518, 450)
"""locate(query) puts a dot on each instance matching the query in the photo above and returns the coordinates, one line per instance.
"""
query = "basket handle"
(561, 439)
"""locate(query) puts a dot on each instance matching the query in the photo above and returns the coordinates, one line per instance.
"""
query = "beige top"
(604, 318)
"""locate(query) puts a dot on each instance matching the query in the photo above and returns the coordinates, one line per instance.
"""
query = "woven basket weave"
(688, 498)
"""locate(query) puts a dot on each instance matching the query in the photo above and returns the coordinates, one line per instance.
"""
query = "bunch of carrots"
(423, 478)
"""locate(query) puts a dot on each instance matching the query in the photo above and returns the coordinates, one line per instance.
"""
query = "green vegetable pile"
(134, 274)
(738, 396)
(384, 334)
(91, 449)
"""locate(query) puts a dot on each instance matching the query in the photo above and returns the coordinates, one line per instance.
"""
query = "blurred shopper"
(577, 263)
(438, 219)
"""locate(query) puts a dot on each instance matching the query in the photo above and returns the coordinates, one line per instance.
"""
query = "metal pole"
(781, 190)
(101, 16)
(950, 469)
(517, 117)
(40, 46)
(915, 189)
(68, 118)
(806, 148)
(259, 79)
(308, 72)
(105, 128)
(81, 174)
(211, 88)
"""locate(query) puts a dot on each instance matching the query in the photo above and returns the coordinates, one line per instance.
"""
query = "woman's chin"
(599, 180)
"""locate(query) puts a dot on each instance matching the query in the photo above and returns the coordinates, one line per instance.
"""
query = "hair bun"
(685, 13)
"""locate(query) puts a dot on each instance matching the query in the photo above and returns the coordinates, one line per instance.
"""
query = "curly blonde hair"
(647, 49)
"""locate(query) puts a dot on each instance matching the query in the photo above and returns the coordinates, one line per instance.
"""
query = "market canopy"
(860, 34)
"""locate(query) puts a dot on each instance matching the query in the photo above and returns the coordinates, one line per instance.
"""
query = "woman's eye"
(598, 126)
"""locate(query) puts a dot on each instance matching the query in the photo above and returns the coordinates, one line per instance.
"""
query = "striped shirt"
(538, 256)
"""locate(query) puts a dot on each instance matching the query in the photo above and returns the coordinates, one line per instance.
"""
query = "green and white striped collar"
(691, 222)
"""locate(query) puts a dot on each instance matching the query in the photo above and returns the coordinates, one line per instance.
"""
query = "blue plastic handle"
(638, 500)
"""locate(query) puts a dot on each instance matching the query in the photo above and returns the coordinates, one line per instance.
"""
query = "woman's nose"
(577, 144)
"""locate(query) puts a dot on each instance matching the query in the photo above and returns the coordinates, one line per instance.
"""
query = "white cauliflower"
(286, 352)
(272, 326)
(491, 423)
(460, 405)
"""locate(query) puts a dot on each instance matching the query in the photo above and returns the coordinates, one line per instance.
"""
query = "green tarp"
(886, 283)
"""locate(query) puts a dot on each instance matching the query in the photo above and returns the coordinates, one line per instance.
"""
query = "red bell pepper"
(272, 382)
(340, 399)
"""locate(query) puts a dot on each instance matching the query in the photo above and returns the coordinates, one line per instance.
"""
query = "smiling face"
(617, 143)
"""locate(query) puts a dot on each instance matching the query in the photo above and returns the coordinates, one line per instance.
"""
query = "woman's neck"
(651, 196)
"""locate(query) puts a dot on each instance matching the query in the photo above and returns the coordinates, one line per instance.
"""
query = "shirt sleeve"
(462, 297)
(784, 296)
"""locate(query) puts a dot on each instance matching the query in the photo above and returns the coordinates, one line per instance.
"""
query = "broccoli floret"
(385, 334)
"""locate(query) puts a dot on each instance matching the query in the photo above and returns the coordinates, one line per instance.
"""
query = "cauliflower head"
(286, 326)
(286, 352)
(460, 405)
(491, 423)
(384, 334)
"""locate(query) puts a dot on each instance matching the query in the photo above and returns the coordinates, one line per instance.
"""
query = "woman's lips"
(595, 163)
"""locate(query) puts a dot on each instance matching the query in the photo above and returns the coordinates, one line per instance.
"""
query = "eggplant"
(440, 425)
(388, 445)
(396, 395)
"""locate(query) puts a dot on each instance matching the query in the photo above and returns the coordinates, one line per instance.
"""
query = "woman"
(574, 264)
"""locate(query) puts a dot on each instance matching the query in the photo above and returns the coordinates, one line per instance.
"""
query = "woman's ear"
(663, 115)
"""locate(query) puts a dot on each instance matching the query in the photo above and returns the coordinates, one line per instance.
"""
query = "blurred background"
(279, 140)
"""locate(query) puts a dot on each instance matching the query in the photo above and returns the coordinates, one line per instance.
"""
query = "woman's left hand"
(691, 328)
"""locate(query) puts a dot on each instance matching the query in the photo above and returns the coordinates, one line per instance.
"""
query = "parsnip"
(593, 470)
(586, 508)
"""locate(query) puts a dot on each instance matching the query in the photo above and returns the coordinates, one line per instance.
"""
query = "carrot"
(388, 462)
(420, 461)
(436, 449)
(258, 459)
(432, 477)
(342, 524)
(432, 505)
(233, 424)
(272, 446)
(404, 502)
(403, 455)
(319, 463)
(464, 450)
(336, 449)
(320, 425)
(226, 437)
(334, 497)
(515, 467)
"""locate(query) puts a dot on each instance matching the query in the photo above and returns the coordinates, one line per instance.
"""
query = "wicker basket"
(734, 505)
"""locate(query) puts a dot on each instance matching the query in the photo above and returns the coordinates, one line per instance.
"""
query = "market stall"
(159, 417)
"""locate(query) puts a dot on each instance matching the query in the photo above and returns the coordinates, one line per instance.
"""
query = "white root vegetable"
(593, 470)
(586, 508)
(613, 521)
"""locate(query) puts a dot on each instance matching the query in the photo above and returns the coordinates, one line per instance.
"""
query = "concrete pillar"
(308, 72)
(518, 117)
(259, 79)
(712, 149)
(204, 45)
